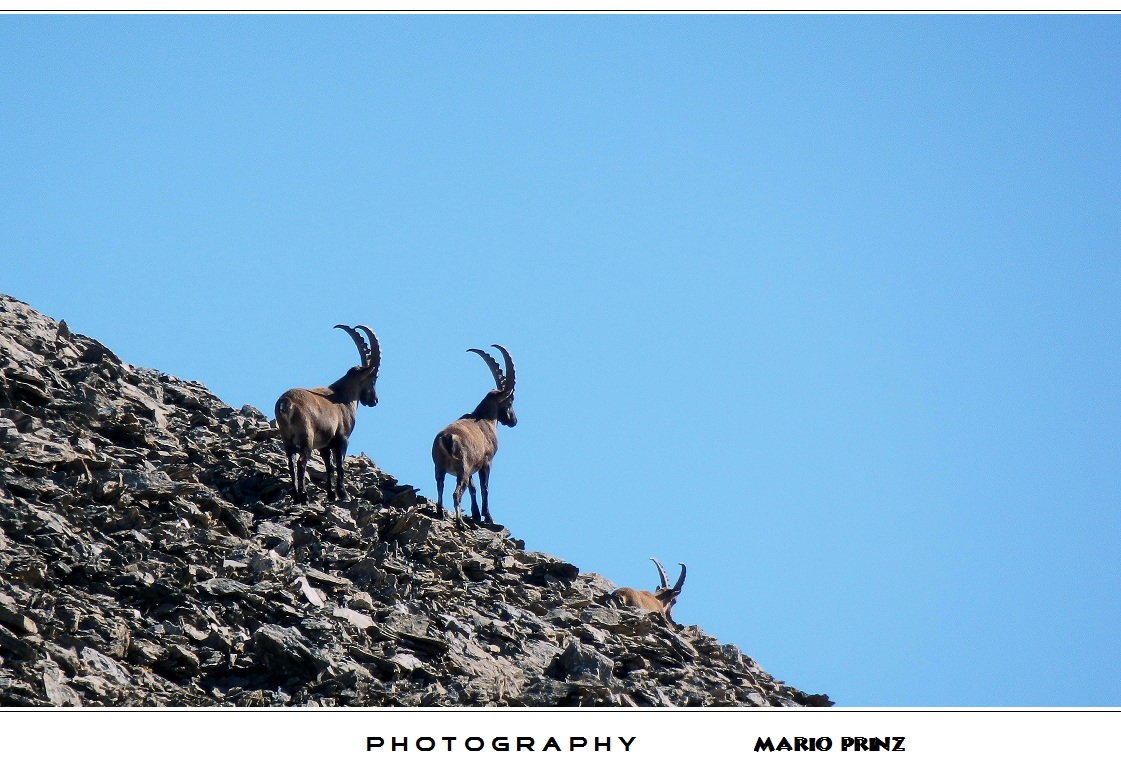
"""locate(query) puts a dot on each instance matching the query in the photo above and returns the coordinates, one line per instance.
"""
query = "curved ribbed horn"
(508, 385)
(492, 363)
(363, 349)
(680, 580)
(375, 348)
(661, 574)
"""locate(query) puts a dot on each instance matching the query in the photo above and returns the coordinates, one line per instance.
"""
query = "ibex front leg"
(338, 451)
(484, 487)
(326, 454)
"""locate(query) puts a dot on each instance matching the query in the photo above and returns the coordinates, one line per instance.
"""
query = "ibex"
(660, 601)
(467, 446)
(322, 419)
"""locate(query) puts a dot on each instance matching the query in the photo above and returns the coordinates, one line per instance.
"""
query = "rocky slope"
(150, 555)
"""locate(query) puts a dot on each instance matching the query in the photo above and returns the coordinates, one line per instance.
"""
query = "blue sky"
(825, 307)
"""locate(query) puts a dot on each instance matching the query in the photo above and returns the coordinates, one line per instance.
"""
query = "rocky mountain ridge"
(150, 554)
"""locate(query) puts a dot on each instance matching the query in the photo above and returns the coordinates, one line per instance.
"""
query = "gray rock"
(356, 619)
(12, 617)
(284, 651)
(584, 664)
(58, 692)
(17, 648)
(98, 664)
(222, 587)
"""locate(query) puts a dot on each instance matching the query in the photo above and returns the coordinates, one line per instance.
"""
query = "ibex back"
(322, 419)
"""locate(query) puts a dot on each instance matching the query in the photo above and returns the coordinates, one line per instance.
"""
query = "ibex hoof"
(299, 498)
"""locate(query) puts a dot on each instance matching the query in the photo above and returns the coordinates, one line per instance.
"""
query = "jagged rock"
(583, 664)
(359, 620)
(150, 554)
(284, 651)
(57, 690)
(313, 595)
(15, 647)
(99, 664)
(12, 617)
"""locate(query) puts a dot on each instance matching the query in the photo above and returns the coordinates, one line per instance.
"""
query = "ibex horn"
(508, 385)
(375, 348)
(680, 580)
(492, 363)
(363, 349)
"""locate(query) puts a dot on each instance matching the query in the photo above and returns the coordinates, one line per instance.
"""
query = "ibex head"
(503, 395)
(366, 374)
(666, 593)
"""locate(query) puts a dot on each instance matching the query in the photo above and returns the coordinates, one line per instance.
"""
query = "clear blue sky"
(825, 307)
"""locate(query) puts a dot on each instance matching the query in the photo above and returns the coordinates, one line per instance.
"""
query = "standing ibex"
(322, 419)
(661, 601)
(467, 446)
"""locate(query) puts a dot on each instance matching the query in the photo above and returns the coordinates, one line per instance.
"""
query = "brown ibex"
(322, 419)
(660, 601)
(467, 446)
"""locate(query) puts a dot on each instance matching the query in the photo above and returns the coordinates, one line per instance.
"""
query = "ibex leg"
(474, 502)
(297, 466)
(440, 492)
(484, 487)
(339, 452)
(457, 496)
(326, 454)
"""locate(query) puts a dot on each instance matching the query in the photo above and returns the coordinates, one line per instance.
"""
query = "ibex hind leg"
(330, 465)
(440, 498)
(474, 503)
(296, 472)
(338, 451)
(457, 496)
(297, 464)
(484, 487)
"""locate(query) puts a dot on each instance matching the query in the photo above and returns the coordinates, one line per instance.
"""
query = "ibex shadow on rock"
(322, 419)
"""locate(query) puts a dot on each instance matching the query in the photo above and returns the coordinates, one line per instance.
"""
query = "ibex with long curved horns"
(322, 419)
(660, 601)
(468, 445)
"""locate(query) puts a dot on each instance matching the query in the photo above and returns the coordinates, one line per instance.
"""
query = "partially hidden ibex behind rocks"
(660, 601)
(322, 419)
(468, 445)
